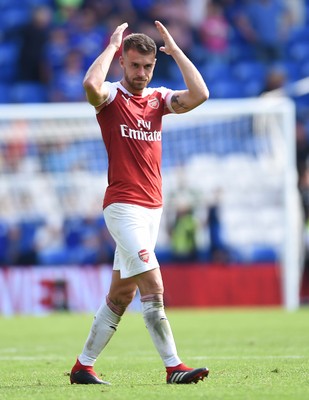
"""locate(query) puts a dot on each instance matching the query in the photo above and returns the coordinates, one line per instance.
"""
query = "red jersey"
(131, 130)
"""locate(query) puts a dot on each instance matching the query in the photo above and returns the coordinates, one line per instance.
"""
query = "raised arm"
(197, 91)
(96, 74)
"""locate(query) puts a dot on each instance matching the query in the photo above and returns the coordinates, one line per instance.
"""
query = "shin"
(159, 328)
(105, 324)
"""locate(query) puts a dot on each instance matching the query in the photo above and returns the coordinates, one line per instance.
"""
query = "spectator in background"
(214, 32)
(297, 10)
(107, 10)
(49, 242)
(13, 153)
(183, 235)
(170, 10)
(304, 192)
(276, 78)
(265, 25)
(57, 49)
(197, 11)
(143, 9)
(302, 158)
(103, 9)
(32, 64)
(88, 36)
(302, 146)
(67, 83)
(218, 250)
(115, 71)
(183, 34)
(67, 10)
(21, 248)
(107, 245)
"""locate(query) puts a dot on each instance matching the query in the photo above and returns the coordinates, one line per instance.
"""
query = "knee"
(127, 297)
(150, 283)
(118, 302)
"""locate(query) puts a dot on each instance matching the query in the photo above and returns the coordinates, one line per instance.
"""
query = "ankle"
(78, 365)
(179, 367)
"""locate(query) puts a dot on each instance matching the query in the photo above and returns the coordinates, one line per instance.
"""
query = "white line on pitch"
(31, 358)
(246, 357)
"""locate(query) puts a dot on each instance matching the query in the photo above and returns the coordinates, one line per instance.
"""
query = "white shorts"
(135, 231)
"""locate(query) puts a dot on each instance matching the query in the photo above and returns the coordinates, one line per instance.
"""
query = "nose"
(140, 71)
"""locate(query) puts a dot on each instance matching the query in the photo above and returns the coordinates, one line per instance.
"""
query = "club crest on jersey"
(144, 255)
(153, 103)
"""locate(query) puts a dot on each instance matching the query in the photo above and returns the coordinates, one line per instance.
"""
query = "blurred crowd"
(243, 48)
(51, 43)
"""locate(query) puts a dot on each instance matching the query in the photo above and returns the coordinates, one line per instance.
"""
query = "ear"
(121, 61)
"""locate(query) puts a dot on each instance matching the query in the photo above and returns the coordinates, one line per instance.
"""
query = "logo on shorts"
(144, 255)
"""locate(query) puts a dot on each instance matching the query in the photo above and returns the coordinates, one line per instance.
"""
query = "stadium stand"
(239, 73)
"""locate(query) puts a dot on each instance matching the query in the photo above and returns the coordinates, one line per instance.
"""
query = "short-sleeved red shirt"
(131, 130)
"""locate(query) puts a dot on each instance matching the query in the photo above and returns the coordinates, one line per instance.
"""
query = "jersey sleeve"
(168, 102)
(112, 88)
(167, 96)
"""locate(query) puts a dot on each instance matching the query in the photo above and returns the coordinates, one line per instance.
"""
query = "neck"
(130, 89)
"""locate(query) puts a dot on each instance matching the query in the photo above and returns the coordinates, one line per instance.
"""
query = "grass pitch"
(251, 353)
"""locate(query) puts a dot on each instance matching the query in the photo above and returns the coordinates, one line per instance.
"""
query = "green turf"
(252, 354)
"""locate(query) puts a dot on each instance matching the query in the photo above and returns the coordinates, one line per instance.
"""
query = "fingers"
(169, 43)
(122, 27)
(161, 28)
(116, 37)
(166, 36)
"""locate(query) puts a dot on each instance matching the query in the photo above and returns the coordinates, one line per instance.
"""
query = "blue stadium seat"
(292, 70)
(54, 257)
(27, 233)
(299, 35)
(73, 231)
(14, 16)
(249, 70)
(215, 71)
(5, 89)
(253, 88)
(8, 60)
(304, 70)
(241, 51)
(4, 241)
(299, 51)
(28, 92)
(261, 254)
(226, 89)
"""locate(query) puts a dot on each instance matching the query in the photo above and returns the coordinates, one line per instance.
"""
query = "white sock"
(103, 327)
(160, 331)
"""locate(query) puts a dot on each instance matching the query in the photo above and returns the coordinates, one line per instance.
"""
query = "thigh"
(134, 230)
(123, 291)
(132, 227)
(150, 282)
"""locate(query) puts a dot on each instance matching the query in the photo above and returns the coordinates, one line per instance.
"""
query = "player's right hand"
(116, 38)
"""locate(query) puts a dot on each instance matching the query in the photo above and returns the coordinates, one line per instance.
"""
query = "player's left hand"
(169, 44)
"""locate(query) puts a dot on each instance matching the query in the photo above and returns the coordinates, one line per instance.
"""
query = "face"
(137, 70)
